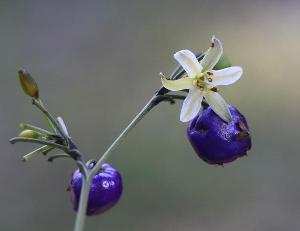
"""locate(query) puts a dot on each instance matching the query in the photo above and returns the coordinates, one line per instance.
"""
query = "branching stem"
(62, 137)
(38, 141)
(52, 120)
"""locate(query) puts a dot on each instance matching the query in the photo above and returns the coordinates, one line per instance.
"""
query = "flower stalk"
(156, 99)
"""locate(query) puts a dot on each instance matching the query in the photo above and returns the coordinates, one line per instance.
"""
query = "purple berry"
(218, 142)
(105, 191)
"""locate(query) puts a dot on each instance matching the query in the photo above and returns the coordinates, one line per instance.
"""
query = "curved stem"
(85, 187)
(156, 99)
(38, 141)
(56, 156)
(34, 153)
(52, 121)
(151, 103)
(51, 126)
(81, 213)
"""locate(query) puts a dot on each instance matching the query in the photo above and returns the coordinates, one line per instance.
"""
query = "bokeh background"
(97, 64)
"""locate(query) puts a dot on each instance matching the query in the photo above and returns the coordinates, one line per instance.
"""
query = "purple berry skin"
(218, 142)
(106, 189)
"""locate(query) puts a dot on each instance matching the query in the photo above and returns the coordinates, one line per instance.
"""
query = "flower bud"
(29, 134)
(28, 84)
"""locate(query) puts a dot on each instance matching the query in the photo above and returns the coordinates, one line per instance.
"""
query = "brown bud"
(28, 84)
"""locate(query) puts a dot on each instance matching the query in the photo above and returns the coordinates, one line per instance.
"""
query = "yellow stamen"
(199, 76)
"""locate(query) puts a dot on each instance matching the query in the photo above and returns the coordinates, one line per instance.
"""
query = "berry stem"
(156, 99)
(81, 213)
(159, 96)
(122, 136)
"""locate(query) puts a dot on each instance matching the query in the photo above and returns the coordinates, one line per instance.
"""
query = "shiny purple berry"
(218, 142)
(105, 192)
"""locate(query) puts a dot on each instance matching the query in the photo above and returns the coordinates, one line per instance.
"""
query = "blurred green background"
(97, 63)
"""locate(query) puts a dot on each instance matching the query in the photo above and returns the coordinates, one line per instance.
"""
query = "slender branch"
(50, 117)
(156, 99)
(49, 122)
(151, 103)
(56, 156)
(34, 153)
(82, 167)
(45, 152)
(81, 212)
(38, 141)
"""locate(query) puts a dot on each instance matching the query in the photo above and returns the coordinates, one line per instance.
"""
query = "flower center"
(202, 79)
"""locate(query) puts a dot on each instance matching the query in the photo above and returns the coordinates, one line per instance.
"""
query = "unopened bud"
(28, 84)
(29, 134)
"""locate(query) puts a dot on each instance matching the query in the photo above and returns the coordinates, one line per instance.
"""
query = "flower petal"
(177, 85)
(226, 76)
(189, 62)
(212, 55)
(218, 105)
(191, 105)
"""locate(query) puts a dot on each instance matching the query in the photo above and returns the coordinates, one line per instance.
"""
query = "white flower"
(202, 82)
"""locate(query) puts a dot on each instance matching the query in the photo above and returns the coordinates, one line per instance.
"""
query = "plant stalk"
(156, 99)
(81, 212)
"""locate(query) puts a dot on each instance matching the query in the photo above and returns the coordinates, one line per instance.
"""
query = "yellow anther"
(214, 89)
(199, 84)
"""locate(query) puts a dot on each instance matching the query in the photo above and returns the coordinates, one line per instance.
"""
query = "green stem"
(156, 99)
(122, 136)
(34, 153)
(81, 213)
(45, 152)
(38, 141)
(56, 156)
(51, 119)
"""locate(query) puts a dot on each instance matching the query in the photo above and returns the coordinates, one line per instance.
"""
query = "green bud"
(28, 84)
(29, 134)
(222, 63)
